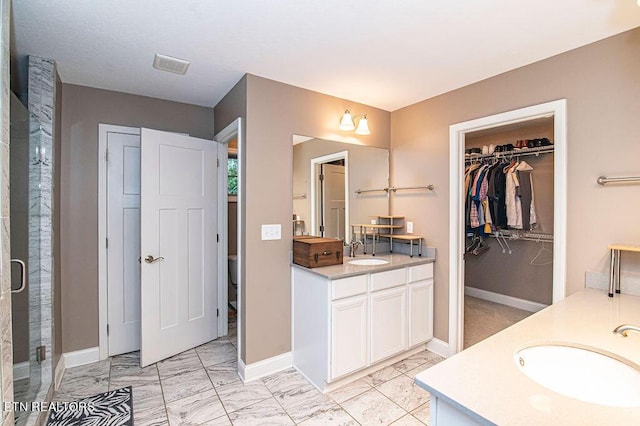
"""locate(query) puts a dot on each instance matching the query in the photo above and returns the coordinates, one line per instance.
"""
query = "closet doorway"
(508, 268)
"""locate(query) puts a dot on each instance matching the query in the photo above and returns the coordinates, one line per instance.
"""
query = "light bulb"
(363, 125)
(346, 123)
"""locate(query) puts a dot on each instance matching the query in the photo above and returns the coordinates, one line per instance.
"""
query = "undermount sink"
(587, 374)
(369, 261)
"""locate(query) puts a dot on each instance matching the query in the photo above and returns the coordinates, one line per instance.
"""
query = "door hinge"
(41, 353)
(106, 242)
(218, 238)
(321, 228)
(218, 162)
(321, 177)
(107, 329)
(106, 156)
(217, 312)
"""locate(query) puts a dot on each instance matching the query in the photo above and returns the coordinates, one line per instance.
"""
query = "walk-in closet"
(509, 216)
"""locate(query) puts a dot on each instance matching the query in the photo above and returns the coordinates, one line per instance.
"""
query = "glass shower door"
(25, 218)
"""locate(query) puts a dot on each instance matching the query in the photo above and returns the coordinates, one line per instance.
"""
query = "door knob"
(151, 259)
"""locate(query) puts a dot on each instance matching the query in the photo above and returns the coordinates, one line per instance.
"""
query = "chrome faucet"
(624, 329)
(353, 247)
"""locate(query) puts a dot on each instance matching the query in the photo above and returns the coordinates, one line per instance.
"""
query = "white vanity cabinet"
(420, 304)
(349, 335)
(388, 321)
(348, 327)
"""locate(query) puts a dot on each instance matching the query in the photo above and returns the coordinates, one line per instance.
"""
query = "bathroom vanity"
(497, 380)
(349, 320)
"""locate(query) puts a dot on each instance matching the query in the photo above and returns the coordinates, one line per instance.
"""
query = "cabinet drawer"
(388, 279)
(347, 287)
(420, 272)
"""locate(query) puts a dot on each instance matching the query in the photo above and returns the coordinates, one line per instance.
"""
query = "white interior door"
(178, 244)
(333, 201)
(123, 234)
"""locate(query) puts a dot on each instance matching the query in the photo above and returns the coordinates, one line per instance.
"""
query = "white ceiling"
(387, 54)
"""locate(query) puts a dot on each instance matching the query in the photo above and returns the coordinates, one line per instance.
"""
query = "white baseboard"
(265, 367)
(81, 357)
(21, 370)
(525, 305)
(439, 347)
(58, 373)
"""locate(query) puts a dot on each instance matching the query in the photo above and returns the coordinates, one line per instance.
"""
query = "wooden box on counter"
(312, 252)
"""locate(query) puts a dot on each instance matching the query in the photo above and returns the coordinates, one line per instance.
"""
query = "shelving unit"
(392, 224)
(509, 154)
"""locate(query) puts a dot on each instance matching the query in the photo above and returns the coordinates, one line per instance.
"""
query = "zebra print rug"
(113, 408)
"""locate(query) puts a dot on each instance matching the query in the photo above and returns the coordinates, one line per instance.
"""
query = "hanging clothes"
(514, 210)
(519, 199)
(527, 201)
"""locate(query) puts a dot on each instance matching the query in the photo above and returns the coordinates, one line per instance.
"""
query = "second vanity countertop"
(346, 269)
(484, 381)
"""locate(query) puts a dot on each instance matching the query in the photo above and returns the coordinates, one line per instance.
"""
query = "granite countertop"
(346, 269)
(484, 382)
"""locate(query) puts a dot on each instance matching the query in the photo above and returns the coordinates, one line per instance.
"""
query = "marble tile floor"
(483, 319)
(201, 387)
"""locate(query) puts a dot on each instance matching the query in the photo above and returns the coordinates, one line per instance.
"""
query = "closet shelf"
(509, 154)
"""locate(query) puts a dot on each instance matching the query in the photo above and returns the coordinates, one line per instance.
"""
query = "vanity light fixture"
(347, 123)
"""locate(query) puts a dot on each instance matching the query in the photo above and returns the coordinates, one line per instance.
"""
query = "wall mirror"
(326, 176)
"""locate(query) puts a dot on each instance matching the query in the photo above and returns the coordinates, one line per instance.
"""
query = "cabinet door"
(420, 312)
(388, 323)
(348, 336)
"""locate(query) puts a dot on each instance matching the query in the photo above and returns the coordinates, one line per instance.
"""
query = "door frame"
(103, 305)
(103, 341)
(342, 155)
(557, 109)
(223, 137)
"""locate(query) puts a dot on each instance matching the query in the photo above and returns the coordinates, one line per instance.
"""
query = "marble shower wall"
(6, 338)
(42, 96)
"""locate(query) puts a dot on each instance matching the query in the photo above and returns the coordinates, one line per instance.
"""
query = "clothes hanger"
(540, 253)
(504, 250)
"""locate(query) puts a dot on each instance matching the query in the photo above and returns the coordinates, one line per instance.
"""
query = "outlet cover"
(271, 232)
(409, 227)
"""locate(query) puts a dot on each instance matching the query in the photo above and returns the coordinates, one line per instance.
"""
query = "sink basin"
(583, 373)
(368, 261)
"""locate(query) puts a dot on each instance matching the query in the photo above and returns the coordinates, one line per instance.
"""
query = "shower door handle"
(23, 276)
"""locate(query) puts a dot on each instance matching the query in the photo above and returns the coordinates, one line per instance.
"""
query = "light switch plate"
(409, 227)
(271, 232)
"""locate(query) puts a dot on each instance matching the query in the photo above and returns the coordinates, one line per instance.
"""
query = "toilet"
(233, 284)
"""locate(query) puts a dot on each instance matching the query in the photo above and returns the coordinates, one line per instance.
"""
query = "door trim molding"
(103, 130)
(342, 155)
(557, 109)
(223, 137)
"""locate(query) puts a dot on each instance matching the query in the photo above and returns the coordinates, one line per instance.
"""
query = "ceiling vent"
(170, 64)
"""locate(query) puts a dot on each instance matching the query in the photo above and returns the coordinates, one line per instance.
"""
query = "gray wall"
(602, 86)
(82, 109)
(274, 112)
(232, 106)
